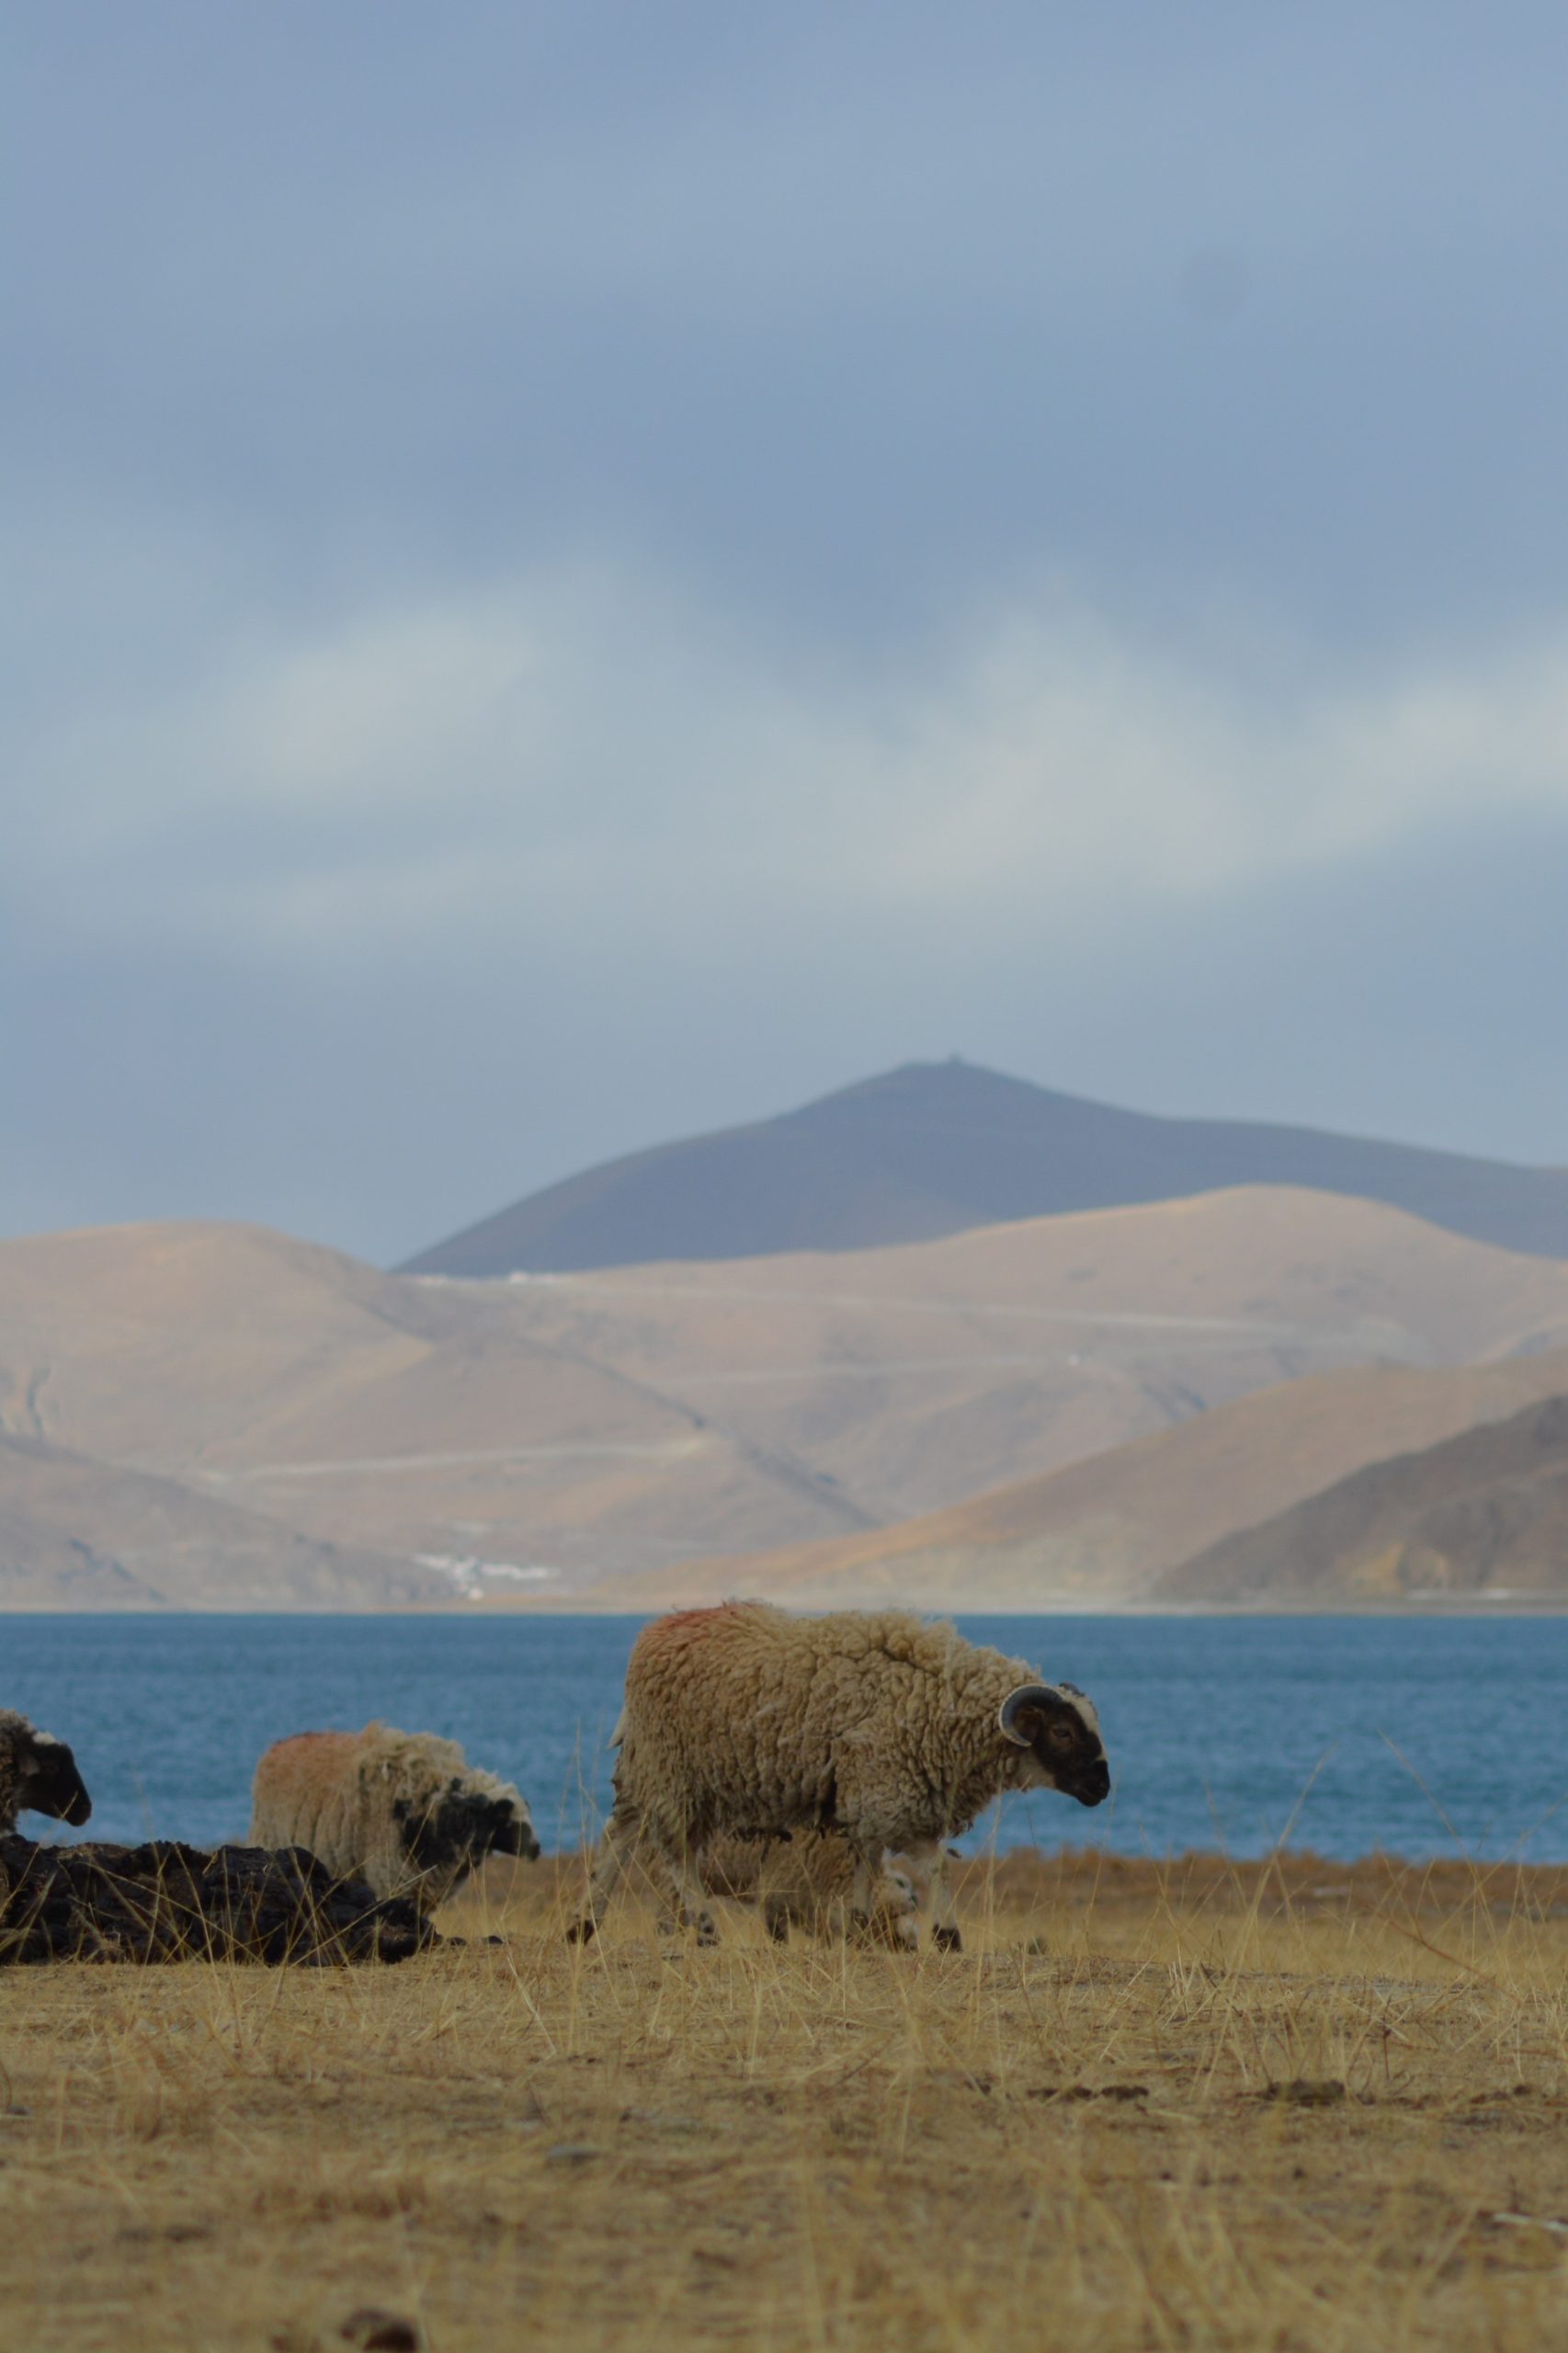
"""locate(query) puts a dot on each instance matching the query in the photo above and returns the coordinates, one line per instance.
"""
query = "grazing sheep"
(807, 1881)
(402, 1811)
(38, 1774)
(896, 1734)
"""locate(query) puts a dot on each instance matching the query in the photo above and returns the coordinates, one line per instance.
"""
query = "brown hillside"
(1483, 1513)
(82, 1535)
(1100, 1529)
(623, 1421)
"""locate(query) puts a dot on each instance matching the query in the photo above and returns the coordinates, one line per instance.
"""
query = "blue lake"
(1427, 1737)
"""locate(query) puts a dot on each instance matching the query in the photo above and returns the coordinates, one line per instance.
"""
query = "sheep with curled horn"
(405, 1811)
(888, 1730)
(38, 1774)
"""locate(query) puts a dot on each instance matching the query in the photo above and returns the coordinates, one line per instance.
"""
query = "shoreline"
(1465, 1606)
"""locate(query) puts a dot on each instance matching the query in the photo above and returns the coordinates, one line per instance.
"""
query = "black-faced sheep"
(38, 1774)
(891, 1732)
(404, 1810)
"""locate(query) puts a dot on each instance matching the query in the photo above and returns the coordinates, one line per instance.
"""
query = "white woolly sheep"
(808, 1881)
(890, 1731)
(38, 1774)
(404, 1810)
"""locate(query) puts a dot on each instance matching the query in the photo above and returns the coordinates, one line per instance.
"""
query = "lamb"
(807, 1881)
(404, 1810)
(38, 1774)
(892, 1732)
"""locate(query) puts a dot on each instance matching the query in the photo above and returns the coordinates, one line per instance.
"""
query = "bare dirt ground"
(1287, 2105)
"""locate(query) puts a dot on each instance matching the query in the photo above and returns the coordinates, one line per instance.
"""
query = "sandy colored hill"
(1099, 1530)
(1486, 1512)
(81, 1535)
(935, 1147)
(624, 1421)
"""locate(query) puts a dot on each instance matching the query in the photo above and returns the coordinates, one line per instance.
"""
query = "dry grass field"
(1266, 2106)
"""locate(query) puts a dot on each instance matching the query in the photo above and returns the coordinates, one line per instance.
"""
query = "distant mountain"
(163, 1384)
(936, 1147)
(1484, 1513)
(75, 1534)
(1106, 1527)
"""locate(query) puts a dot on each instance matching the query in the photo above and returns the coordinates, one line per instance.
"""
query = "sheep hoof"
(582, 1931)
(946, 1940)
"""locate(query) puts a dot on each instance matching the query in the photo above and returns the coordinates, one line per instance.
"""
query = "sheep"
(894, 1733)
(806, 1881)
(404, 1810)
(38, 1774)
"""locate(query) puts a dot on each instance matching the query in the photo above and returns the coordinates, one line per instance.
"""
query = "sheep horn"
(1028, 1695)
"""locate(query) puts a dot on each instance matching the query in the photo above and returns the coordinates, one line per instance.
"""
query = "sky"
(577, 575)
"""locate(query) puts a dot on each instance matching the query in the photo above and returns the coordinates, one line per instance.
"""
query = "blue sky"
(574, 575)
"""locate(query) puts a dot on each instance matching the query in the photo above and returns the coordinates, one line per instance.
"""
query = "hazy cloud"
(576, 574)
(588, 747)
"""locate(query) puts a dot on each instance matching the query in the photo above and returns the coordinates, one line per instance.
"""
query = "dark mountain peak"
(950, 1089)
(930, 1148)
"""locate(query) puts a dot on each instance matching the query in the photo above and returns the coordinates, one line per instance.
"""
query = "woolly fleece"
(359, 1800)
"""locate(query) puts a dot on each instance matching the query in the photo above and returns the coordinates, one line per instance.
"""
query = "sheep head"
(1059, 1728)
(464, 1822)
(47, 1781)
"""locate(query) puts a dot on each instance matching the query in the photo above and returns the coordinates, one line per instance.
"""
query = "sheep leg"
(934, 1896)
(692, 1898)
(863, 1890)
(616, 1850)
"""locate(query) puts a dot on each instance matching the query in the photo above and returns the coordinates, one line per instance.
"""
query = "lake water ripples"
(1432, 1736)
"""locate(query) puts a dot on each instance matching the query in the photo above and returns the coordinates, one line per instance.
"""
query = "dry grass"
(1264, 2107)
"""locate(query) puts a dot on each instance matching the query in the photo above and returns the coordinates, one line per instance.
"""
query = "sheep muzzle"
(515, 1835)
(1090, 1785)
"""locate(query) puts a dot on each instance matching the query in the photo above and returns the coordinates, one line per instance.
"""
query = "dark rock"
(169, 1902)
(375, 2331)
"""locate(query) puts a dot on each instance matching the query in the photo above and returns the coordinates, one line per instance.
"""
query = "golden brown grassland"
(1266, 2106)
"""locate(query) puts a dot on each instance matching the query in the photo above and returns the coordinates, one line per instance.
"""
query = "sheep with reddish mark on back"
(890, 1732)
